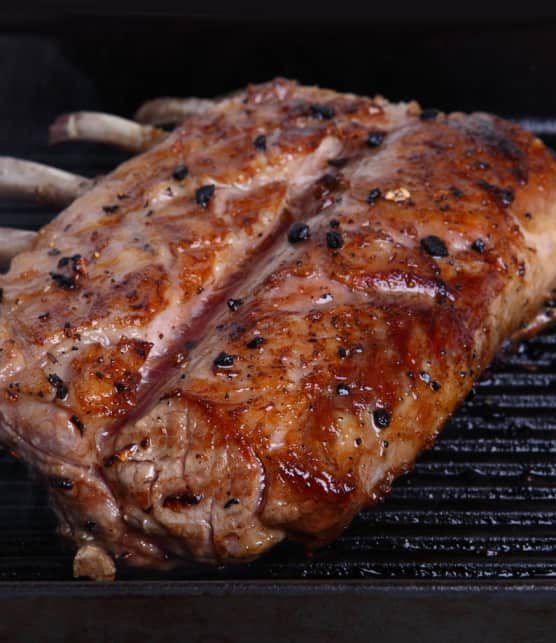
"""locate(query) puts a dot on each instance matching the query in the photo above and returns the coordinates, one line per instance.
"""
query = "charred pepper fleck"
(204, 194)
(61, 483)
(298, 232)
(68, 283)
(374, 139)
(224, 360)
(323, 112)
(342, 389)
(74, 260)
(334, 240)
(478, 246)
(260, 143)
(434, 246)
(234, 304)
(256, 342)
(504, 196)
(229, 503)
(507, 197)
(381, 418)
(176, 501)
(56, 382)
(180, 172)
(334, 223)
(373, 195)
(110, 209)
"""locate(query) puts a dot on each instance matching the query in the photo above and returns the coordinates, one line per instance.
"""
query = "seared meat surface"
(245, 333)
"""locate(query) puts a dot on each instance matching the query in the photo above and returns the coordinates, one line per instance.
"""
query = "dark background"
(466, 55)
(465, 548)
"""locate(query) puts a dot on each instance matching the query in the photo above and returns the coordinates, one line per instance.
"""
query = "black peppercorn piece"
(204, 194)
(334, 240)
(298, 231)
(434, 246)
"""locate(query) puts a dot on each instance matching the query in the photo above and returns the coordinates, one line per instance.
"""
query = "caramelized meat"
(265, 318)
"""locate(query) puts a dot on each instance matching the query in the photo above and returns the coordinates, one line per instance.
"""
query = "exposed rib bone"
(13, 242)
(104, 128)
(163, 111)
(22, 179)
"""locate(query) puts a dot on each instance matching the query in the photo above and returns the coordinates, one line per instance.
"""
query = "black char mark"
(323, 112)
(260, 143)
(224, 360)
(180, 172)
(381, 418)
(61, 483)
(434, 246)
(334, 240)
(204, 194)
(298, 231)
(176, 502)
(504, 196)
(374, 139)
(61, 389)
(234, 304)
(62, 281)
(373, 195)
(478, 246)
(256, 342)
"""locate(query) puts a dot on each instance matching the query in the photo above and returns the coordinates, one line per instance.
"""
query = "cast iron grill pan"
(480, 505)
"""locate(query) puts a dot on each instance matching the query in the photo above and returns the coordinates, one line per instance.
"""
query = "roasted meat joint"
(247, 331)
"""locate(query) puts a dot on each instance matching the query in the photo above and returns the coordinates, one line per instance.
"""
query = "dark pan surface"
(480, 505)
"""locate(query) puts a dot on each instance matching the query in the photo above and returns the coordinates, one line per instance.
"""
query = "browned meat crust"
(248, 331)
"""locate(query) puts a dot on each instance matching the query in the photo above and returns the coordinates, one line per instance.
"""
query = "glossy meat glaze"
(247, 332)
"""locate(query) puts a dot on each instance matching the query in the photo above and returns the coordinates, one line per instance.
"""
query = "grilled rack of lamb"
(247, 331)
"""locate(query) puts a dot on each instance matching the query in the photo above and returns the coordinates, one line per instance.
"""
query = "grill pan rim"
(285, 588)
